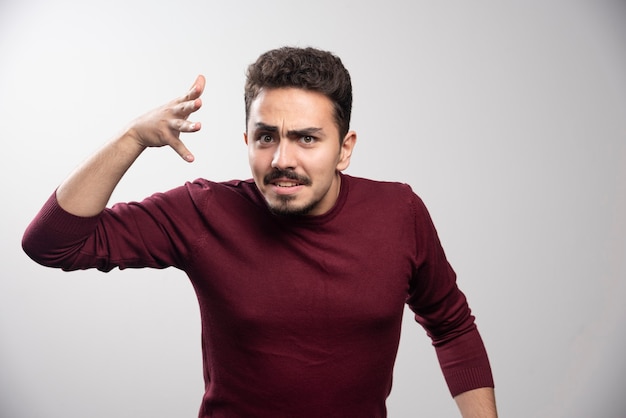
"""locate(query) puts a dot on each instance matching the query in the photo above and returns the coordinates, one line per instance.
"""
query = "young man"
(301, 272)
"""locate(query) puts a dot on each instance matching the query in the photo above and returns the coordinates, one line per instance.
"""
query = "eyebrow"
(293, 132)
(260, 126)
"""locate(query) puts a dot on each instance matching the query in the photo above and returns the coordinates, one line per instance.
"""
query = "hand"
(162, 126)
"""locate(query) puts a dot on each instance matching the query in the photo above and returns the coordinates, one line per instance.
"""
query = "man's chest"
(277, 280)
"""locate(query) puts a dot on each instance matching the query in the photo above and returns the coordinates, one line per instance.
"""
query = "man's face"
(294, 150)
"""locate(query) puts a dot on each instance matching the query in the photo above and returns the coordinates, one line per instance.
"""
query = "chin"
(286, 207)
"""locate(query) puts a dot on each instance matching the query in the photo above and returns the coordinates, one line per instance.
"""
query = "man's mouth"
(285, 184)
(286, 178)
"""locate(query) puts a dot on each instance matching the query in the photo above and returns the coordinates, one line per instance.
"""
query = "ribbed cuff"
(54, 229)
(58, 219)
(468, 379)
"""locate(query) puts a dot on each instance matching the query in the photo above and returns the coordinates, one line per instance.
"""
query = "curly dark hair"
(304, 68)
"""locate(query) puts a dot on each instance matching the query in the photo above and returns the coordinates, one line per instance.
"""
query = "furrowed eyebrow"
(260, 126)
(304, 132)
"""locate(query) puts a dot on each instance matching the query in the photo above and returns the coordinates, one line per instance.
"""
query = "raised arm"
(87, 190)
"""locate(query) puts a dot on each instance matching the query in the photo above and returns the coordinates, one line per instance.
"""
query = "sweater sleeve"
(129, 235)
(442, 309)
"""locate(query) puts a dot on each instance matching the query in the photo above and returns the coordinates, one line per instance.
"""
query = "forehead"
(291, 105)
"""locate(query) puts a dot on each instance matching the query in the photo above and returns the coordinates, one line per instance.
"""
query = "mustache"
(286, 174)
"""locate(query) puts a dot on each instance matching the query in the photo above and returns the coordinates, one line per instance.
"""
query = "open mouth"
(285, 184)
(285, 187)
(286, 178)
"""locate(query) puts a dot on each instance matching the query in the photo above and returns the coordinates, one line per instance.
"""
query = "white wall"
(508, 118)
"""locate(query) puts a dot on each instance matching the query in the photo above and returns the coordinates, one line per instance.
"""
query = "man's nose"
(284, 156)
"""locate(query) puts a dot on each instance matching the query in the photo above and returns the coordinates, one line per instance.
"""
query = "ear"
(245, 137)
(349, 141)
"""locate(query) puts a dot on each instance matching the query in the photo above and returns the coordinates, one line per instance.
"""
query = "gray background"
(508, 118)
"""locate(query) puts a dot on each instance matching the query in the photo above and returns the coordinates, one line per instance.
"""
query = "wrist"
(129, 143)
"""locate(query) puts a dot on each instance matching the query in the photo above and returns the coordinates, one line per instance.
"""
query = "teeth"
(286, 184)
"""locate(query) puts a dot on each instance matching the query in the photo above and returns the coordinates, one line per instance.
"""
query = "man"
(301, 272)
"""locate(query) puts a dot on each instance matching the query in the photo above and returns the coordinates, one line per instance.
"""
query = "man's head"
(307, 69)
(297, 117)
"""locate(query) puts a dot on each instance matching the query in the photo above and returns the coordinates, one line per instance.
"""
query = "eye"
(265, 139)
(307, 139)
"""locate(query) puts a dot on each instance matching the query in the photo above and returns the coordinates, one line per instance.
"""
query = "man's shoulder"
(221, 192)
(379, 196)
(204, 186)
(373, 187)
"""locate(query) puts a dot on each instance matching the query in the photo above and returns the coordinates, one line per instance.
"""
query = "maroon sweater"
(301, 316)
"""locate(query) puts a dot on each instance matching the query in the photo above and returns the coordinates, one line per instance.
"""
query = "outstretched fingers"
(176, 126)
(184, 109)
(197, 88)
(180, 148)
(186, 105)
(184, 125)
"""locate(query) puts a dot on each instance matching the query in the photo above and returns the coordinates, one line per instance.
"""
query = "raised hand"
(163, 125)
(86, 191)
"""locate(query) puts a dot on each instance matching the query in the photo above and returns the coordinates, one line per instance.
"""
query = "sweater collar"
(312, 219)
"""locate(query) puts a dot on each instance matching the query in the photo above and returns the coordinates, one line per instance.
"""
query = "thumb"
(180, 148)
